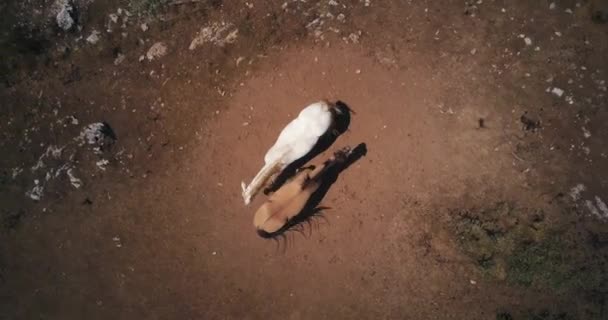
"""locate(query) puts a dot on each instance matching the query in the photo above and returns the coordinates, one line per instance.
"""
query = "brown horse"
(292, 198)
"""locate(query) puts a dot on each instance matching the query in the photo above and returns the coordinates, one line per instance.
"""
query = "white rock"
(16, 172)
(557, 91)
(76, 183)
(93, 38)
(119, 59)
(239, 60)
(586, 133)
(101, 164)
(91, 134)
(113, 17)
(64, 18)
(592, 209)
(602, 206)
(217, 33)
(528, 41)
(575, 192)
(36, 192)
(51, 151)
(156, 51)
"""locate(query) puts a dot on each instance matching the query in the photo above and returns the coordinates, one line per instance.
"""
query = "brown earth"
(438, 90)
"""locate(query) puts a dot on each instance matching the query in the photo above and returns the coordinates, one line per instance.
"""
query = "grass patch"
(556, 263)
(518, 246)
(148, 7)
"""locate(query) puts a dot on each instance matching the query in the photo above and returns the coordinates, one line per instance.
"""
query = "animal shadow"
(341, 125)
(312, 209)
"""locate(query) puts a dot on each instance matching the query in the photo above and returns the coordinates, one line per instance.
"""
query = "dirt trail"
(438, 96)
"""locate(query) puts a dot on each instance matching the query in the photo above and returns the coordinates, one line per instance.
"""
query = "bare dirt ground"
(482, 195)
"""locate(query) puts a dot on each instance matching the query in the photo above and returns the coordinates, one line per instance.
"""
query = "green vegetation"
(147, 7)
(556, 263)
(518, 246)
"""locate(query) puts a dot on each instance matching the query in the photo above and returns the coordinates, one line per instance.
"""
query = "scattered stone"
(51, 151)
(101, 164)
(113, 17)
(119, 59)
(117, 242)
(65, 19)
(156, 51)
(602, 206)
(598, 209)
(36, 192)
(144, 27)
(575, 192)
(586, 133)
(16, 172)
(219, 34)
(99, 133)
(76, 183)
(528, 41)
(592, 209)
(557, 91)
(93, 38)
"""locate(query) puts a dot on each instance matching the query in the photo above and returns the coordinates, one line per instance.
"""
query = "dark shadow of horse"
(312, 208)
